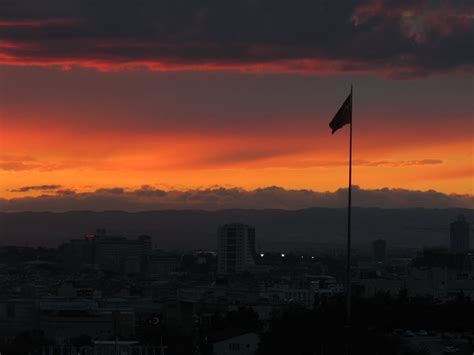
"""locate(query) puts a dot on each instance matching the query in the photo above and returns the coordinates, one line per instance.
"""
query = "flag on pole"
(343, 115)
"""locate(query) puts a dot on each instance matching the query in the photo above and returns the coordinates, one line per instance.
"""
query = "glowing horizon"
(51, 140)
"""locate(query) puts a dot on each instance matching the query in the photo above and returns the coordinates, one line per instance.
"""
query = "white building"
(236, 248)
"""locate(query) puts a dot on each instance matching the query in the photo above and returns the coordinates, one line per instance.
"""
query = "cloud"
(150, 198)
(36, 188)
(399, 163)
(295, 163)
(16, 166)
(397, 38)
(110, 191)
(17, 163)
(21, 163)
(230, 155)
(38, 23)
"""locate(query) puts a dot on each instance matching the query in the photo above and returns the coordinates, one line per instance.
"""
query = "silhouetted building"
(77, 252)
(162, 263)
(459, 236)
(236, 248)
(379, 250)
(460, 263)
(109, 251)
(116, 252)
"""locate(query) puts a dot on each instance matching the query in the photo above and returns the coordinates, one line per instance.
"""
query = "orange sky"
(38, 150)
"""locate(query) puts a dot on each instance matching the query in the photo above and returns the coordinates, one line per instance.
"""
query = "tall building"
(379, 250)
(236, 248)
(77, 252)
(116, 251)
(162, 263)
(109, 251)
(459, 235)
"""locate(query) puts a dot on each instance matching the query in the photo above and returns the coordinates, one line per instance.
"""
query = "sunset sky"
(176, 95)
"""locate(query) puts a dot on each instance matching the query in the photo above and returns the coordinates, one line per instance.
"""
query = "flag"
(343, 115)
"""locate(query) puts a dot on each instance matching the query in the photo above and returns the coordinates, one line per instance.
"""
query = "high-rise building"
(114, 251)
(379, 249)
(236, 248)
(459, 235)
(162, 263)
(77, 252)
(108, 251)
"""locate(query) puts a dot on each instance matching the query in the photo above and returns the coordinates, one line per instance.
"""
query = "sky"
(136, 99)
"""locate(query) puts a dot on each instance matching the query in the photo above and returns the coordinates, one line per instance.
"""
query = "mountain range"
(275, 229)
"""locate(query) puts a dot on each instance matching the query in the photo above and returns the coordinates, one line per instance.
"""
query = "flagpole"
(349, 208)
(343, 117)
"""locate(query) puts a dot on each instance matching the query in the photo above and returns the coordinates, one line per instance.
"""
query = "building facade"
(236, 248)
(116, 252)
(107, 251)
(459, 235)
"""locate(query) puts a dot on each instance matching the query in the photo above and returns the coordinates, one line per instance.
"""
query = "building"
(162, 263)
(379, 250)
(77, 252)
(236, 248)
(459, 235)
(118, 253)
(235, 343)
(61, 318)
(108, 251)
(17, 315)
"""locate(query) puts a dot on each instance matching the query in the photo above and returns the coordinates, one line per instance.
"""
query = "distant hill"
(191, 229)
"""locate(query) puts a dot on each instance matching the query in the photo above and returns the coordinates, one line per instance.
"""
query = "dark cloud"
(65, 192)
(110, 191)
(36, 188)
(149, 198)
(393, 37)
